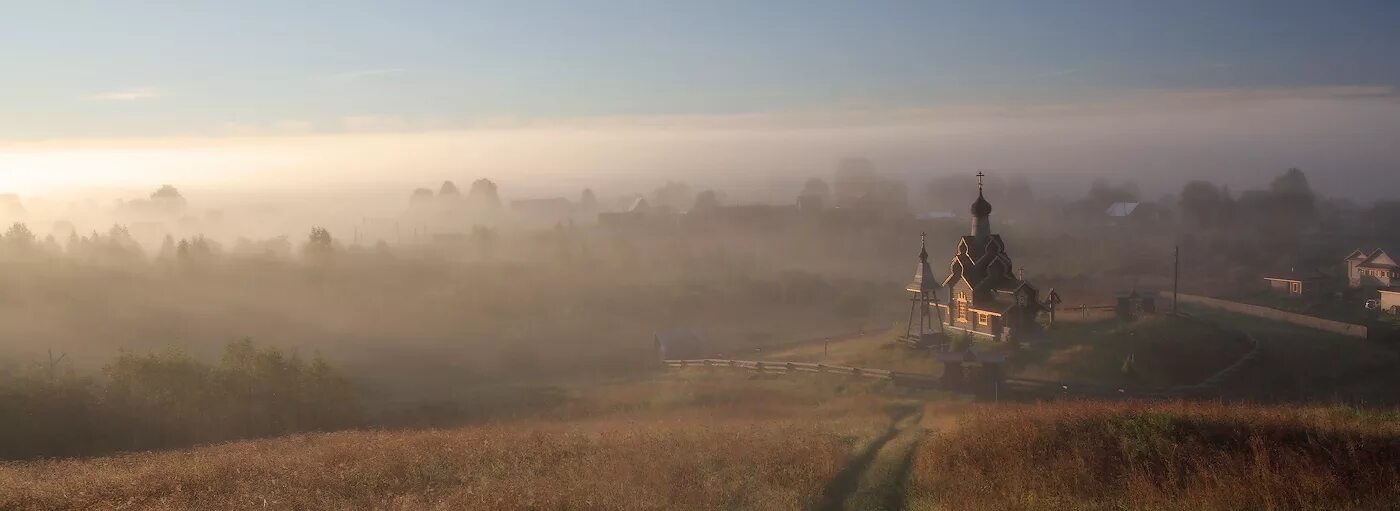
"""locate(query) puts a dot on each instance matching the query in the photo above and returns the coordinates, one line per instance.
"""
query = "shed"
(1296, 284)
(983, 371)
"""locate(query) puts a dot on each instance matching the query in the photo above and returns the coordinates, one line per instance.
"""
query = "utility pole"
(53, 365)
(1176, 278)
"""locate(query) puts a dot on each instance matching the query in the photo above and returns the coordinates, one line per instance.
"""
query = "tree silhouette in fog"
(483, 197)
(673, 195)
(168, 199)
(421, 197)
(856, 181)
(587, 201)
(449, 191)
(319, 243)
(19, 237)
(1202, 205)
(706, 201)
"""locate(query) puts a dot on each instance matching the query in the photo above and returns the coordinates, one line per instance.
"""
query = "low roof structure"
(1121, 209)
(1293, 275)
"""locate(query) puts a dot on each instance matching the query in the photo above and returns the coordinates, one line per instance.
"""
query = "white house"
(1374, 269)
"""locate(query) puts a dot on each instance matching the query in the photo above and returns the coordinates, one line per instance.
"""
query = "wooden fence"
(783, 367)
(1008, 386)
(916, 380)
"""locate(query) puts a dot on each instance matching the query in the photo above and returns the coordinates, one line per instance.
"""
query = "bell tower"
(923, 302)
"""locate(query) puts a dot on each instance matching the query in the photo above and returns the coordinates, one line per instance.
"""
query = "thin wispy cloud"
(132, 94)
(361, 74)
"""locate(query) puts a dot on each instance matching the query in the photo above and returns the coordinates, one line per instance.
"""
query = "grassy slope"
(1303, 365)
(872, 350)
(713, 439)
(1166, 352)
(1163, 456)
(691, 440)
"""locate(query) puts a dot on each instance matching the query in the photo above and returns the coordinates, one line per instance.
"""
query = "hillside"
(717, 439)
(1167, 351)
(681, 441)
(1161, 456)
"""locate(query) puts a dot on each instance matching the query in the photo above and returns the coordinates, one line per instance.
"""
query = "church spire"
(981, 209)
(924, 281)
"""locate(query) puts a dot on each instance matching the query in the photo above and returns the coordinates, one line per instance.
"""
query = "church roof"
(981, 207)
(982, 265)
(995, 304)
(924, 280)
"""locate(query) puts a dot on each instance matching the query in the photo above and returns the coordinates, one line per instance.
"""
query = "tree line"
(169, 399)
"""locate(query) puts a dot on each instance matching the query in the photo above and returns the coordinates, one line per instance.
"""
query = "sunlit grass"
(1163, 456)
(681, 441)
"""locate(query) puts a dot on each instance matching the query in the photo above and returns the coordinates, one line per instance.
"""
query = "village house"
(1390, 300)
(637, 215)
(1296, 284)
(986, 296)
(1374, 269)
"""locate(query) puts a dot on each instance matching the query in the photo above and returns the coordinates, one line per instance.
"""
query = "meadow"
(696, 440)
(1168, 456)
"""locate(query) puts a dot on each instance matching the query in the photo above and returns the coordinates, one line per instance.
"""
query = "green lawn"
(1166, 352)
(1345, 310)
(1302, 364)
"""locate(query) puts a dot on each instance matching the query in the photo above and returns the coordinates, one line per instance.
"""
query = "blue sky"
(115, 69)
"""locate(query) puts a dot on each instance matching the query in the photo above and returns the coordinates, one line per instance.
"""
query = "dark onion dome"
(981, 207)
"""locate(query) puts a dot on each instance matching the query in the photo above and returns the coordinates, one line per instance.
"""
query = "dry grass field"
(878, 350)
(716, 439)
(1162, 456)
(684, 441)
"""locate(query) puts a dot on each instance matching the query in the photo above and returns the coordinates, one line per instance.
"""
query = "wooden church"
(985, 296)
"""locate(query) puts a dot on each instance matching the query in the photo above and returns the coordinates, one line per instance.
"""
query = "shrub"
(169, 399)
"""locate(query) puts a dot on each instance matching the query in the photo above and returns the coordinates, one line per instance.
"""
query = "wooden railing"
(764, 366)
(1043, 388)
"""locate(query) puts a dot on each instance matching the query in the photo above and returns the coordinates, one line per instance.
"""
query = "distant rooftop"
(1121, 209)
